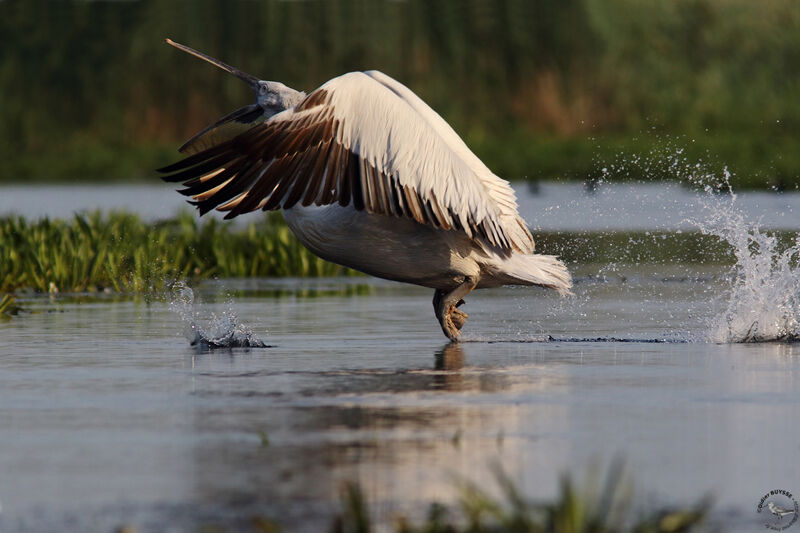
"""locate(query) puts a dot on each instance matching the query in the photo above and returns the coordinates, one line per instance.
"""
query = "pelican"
(368, 176)
(779, 511)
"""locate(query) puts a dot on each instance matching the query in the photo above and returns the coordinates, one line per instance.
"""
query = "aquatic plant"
(120, 252)
(574, 510)
(8, 306)
(636, 247)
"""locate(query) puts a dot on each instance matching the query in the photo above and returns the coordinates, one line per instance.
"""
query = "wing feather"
(364, 140)
(354, 180)
(316, 180)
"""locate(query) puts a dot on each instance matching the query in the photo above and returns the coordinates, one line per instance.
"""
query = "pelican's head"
(271, 96)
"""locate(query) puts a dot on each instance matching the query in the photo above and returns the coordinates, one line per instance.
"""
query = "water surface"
(109, 417)
(547, 206)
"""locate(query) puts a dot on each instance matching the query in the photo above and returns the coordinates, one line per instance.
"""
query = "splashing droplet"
(220, 331)
(764, 300)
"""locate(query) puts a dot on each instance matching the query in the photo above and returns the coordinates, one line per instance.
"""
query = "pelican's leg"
(446, 307)
(458, 317)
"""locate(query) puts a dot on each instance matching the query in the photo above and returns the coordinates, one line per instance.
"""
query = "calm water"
(109, 417)
(546, 206)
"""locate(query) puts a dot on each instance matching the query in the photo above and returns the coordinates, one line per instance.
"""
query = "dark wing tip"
(194, 159)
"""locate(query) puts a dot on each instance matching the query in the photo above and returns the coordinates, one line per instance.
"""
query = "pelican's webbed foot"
(445, 305)
(459, 318)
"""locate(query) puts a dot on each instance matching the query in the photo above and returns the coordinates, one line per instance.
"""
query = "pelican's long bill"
(246, 114)
(249, 79)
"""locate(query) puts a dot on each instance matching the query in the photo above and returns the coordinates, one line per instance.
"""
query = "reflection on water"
(110, 417)
(451, 357)
(400, 433)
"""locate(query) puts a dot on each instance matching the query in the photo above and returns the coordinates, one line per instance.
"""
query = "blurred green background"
(540, 89)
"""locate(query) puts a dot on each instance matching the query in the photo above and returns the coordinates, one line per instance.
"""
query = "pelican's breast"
(384, 246)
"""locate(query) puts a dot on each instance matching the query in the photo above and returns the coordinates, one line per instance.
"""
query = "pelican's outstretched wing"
(364, 140)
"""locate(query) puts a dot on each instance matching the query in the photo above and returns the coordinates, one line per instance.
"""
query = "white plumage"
(370, 177)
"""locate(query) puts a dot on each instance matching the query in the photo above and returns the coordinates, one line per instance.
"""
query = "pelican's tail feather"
(535, 269)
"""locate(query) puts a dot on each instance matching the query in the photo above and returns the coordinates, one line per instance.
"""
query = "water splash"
(760, 300)
(763, 304)
(211, 330)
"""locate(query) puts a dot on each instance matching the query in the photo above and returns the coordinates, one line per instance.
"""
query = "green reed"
(8, 306)
(120, 252)
(594, 506)
(591, 508)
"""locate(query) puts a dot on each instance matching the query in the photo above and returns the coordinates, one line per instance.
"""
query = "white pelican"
(369, 177)
(779, 511)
